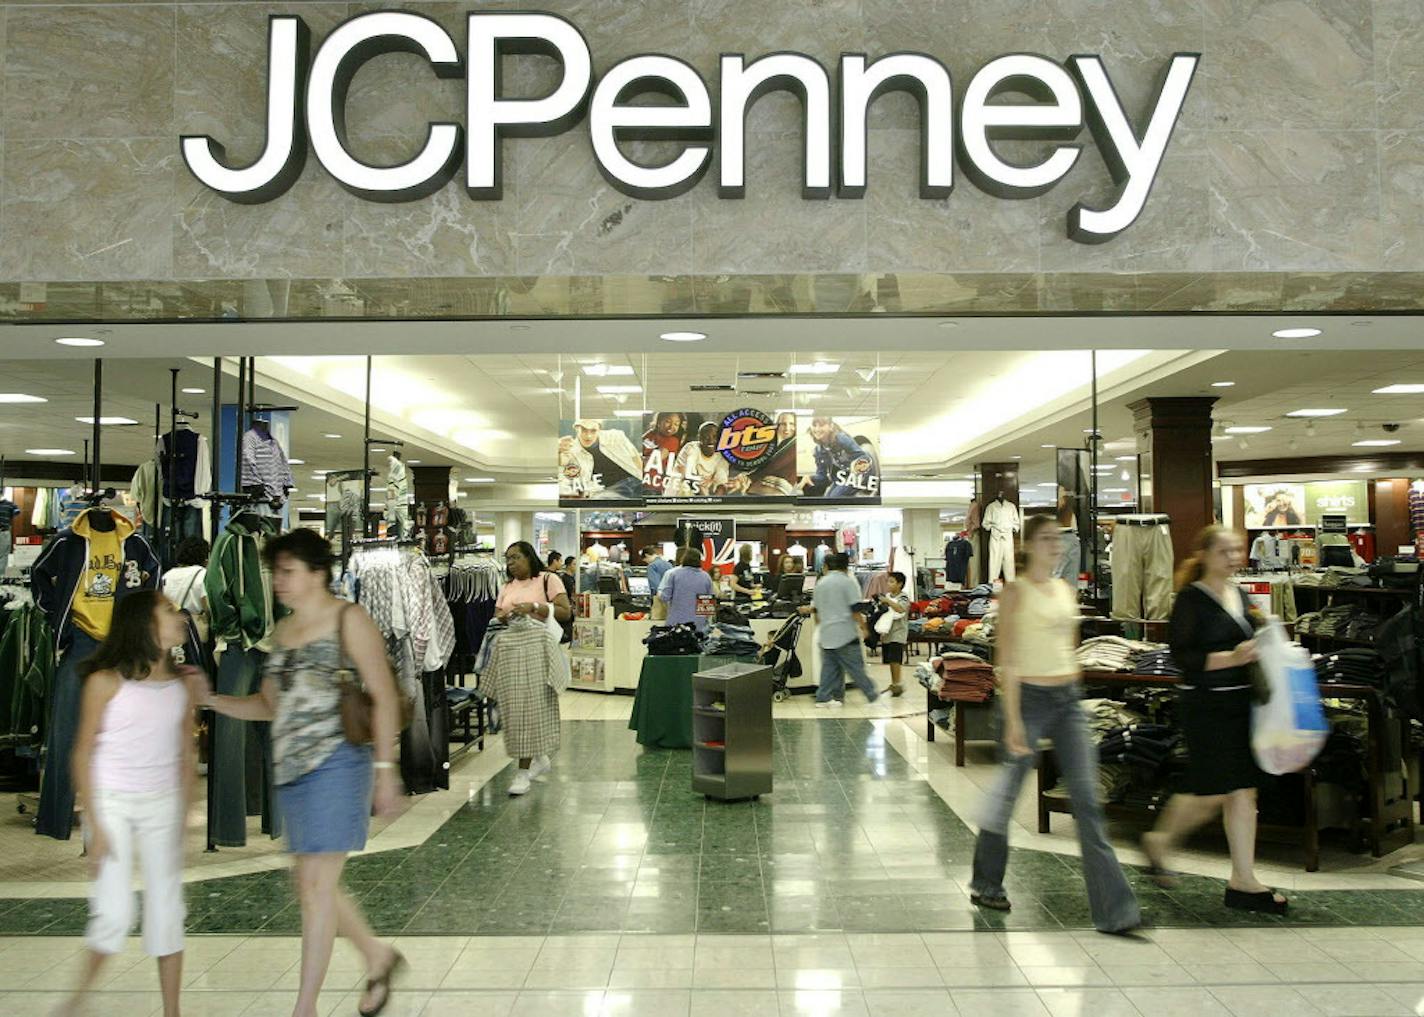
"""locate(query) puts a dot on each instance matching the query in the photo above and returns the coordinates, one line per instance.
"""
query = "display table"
(662, 706)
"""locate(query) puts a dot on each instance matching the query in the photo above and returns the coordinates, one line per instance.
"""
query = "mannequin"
(265, 471)
(1001, 519)
(397, 496)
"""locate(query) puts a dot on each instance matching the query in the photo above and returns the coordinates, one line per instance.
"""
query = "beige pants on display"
(1141, 560)
(1001, 556)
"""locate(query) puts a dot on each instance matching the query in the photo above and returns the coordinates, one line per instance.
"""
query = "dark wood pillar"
(431, 487)
(1175, 465)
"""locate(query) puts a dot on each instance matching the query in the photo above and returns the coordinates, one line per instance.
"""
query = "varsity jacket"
(54, 580)
(240, 605)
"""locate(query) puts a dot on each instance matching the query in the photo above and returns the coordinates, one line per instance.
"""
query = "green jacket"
(26, 650)
(239, 586)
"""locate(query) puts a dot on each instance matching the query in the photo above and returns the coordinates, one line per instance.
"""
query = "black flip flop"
(991, 903)
(1264, 903)
(383, 982)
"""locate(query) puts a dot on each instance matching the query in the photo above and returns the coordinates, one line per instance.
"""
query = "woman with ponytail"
(1040, 693)
(1212, 640)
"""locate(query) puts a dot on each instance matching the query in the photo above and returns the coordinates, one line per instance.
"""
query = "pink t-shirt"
(139, 747)
(542, 589)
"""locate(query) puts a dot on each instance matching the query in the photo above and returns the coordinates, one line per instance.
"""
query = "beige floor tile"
(458, 978)
(734, 1003)
(983, 977)
(1176, 1002)
(1264, 1001)
(557, 1004)
(745, 978)
(1087, 1003)
(848, 1003)
(650, 978)
(1355, 1000)
(999, 1003)
(923, 976)
(816, 979)
(1066, 976)
(653, 958)
(910, 1003)
(1229, 974)
(469, 1004)
(1147, 974)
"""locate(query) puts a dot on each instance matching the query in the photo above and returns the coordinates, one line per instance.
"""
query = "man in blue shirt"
(658, 567)
(838, 630)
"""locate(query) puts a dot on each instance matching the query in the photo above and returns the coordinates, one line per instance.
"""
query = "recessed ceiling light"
(949, 324)
(804, 386)
(1048, 446)
(1015, 457)
(1375, 443)
(1219, 437)
(619, 389)
(479, 480)
(1127, 459)
(1114, 490)
(1050, 483)
(819, 367)
(683, 337)
(1362, 324)
(49, 451)
(1315, 413)
(79, 341)
(1400, 390)
(799, 411)
(109, 421)
(195, 391)
(1247, 430)
(20, 397)
(413, 462)
(1223, 384)
(1296, 333)
(331, 436)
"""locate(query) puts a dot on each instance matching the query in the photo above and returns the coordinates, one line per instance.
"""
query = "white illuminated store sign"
(306, 107)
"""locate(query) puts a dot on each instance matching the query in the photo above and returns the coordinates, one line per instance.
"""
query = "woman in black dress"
(1212, 640)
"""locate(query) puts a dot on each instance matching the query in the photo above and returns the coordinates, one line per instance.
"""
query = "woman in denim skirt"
(325, 783)
(1040, 697)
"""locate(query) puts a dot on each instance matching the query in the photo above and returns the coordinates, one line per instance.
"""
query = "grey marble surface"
(1301, 150)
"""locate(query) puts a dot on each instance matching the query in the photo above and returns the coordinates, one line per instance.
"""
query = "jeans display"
(56, 813)
(1056, 712)
(241, 759)
(1070, 564)
(186, 521)
(836, 663)
(1142, 560)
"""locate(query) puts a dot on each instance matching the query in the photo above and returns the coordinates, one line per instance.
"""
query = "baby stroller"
(780, 655)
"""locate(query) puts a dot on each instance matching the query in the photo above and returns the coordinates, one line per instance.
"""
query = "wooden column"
(1174, 443)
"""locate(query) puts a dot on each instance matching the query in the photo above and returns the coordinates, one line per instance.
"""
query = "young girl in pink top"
(133, 770)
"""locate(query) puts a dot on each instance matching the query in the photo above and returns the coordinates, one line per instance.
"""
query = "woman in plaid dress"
(523, 663)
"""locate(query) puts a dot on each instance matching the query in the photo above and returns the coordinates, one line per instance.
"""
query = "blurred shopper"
(682, 586)
(892, 644)
(836, 605)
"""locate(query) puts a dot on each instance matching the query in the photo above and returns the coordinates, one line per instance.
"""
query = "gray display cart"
(731, 732)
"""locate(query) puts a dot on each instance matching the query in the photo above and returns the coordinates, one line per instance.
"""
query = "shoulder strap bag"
(357, 706)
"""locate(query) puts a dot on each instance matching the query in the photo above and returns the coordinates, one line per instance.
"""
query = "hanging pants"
(1070, 563)
(1141, 558)
(241, 760)
(398, 520)
(56, 814)
(1001, 556)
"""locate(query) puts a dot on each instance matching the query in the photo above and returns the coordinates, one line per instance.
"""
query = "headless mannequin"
(101, 520)
(397, 495)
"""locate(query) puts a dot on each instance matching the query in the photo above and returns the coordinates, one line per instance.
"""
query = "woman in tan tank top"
(1039, 697)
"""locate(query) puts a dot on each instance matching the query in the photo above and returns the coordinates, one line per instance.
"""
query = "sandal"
(1264, 903)
(383, 982)
(991, 903)
(897, 691)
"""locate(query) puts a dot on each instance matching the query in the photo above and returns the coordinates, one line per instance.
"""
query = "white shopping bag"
(1289, 729)
(886, 622)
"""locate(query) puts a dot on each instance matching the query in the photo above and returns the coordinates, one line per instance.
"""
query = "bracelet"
(383, 765)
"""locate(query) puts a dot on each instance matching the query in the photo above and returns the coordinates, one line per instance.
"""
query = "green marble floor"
(852, 840)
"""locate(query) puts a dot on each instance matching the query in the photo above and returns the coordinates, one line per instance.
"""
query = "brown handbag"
(357, 706)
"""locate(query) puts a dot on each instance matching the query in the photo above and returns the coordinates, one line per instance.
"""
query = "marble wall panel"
(89, 72)
(773, 228)
(1294, 199)
(1288, 63)
(569, 219)
(967, 232)
(87, 209)
(1399, 63)
(1402, 208)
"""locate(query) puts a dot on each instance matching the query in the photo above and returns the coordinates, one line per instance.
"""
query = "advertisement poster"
(1274, 505)
(676, 457)
(715, 537)
(1350, 498)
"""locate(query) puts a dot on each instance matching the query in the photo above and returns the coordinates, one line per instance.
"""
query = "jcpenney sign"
(306, 107)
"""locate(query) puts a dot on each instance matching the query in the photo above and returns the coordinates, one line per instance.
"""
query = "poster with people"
(677, 457)
(1274, 505)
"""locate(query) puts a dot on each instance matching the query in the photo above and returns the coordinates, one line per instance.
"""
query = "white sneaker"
(830, 704)
(520, 786)
(539, 769)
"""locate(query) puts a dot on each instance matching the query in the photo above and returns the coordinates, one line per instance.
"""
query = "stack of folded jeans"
(963, 678)
(731, 641)
(1144, 745)
(1111, 653)
(1156, 662)
(674, 641)
(1361, 666)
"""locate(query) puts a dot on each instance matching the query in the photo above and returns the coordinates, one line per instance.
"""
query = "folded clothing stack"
(978, 607)
(1156, 662)
(1145, 745)
(1342, 621)
(673, 640)
(1111, 653)
(731, 641)
(962, 678)
(1361, 666)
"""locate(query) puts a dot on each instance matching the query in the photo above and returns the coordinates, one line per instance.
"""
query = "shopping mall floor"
(613, 889)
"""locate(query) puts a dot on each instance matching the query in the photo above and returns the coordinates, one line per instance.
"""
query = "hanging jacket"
(144, 490)
(55, 578)
(27, 655)
(239, 588)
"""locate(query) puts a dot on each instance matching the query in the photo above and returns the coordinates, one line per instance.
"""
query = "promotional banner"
(715, 537)
(676, 457)
(1274, 505)
(1350, 498)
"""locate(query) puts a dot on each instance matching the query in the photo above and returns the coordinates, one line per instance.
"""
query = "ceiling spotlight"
(49, 451)
(331, 436)
(1315, 413)
(1375, 443)
(1296, 333)
(1223, 384)
(1048, 446)
(683, 337)
(20, 397)
(79, 341)
(195, 391)
(108, 421)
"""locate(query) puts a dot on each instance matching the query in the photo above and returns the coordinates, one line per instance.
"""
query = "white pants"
(152, 824)
(1001, 555)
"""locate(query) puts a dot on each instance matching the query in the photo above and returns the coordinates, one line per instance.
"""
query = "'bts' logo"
(748, 436)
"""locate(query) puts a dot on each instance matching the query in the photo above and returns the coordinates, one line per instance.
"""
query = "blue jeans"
(56, 815)
(835, 665)
(1055, 712)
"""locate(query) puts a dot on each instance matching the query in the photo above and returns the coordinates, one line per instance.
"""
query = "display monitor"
(808, 583)
(789, 588)
(639, 586)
